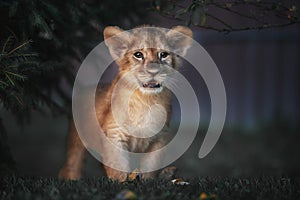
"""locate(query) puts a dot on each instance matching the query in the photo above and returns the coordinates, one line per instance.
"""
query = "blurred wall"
(261, 71)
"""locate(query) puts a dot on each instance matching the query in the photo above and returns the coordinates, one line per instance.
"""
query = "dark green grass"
(13, 187)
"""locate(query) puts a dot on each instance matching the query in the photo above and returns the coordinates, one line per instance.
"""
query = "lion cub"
(145, 59)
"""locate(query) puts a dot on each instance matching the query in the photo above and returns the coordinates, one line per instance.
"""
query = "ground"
(14, 187)
(270, 154)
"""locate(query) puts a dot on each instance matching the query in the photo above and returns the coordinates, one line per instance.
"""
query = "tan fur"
(133, 73)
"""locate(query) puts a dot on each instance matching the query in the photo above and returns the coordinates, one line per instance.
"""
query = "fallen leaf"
(203, 196)
(293, 8)
(126, 195)
(228, 5)
(179, 181)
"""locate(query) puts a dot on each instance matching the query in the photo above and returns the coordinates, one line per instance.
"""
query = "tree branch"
(253, 15)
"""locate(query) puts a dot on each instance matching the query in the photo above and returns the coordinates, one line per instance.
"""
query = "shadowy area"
(266, 152)
(271, 151)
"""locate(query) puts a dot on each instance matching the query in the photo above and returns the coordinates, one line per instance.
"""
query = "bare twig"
(256, 14)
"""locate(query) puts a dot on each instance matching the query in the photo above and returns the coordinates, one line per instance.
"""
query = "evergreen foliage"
(22, 87)
(40, 42)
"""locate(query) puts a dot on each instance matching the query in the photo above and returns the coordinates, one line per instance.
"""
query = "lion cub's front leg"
(153, 160)
(115, 159)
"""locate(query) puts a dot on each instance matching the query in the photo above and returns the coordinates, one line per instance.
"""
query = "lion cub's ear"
(116, 40)
(180, 39)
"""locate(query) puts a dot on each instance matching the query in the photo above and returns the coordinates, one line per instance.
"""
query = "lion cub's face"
(147, 55)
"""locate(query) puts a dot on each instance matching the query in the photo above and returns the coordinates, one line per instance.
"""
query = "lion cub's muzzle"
(153, 82)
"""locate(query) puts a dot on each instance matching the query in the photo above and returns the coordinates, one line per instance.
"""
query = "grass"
(14, 187)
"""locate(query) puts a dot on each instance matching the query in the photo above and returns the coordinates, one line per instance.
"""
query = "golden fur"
(143, 71)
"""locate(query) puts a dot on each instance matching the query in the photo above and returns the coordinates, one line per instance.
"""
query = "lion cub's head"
(147, 54)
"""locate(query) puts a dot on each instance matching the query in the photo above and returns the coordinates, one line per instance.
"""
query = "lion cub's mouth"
(152, 84)
(151, 87)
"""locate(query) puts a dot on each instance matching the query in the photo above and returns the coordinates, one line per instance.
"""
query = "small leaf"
(293, 8)
(179, 181)
(16, 75)
(179, 13)
(10, 80)
(198, 16)
(126, 195)
(203, 20)
(19, 47)
(228, 5)
(13, 9)
(2, 82)
(203, 196)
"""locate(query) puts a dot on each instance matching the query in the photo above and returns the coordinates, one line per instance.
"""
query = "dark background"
(260, 70)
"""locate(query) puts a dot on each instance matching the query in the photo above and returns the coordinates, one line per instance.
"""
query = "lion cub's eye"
(163, 55)
(139, 55)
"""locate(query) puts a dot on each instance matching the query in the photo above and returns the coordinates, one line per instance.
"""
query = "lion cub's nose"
(153, 68)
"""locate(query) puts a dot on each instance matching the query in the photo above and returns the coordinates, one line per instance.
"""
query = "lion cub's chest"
(142, 119)
(139, 122)
(145, 125)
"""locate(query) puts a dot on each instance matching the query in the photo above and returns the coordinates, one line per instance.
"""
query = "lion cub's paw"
(135, 175)
(168, 173)
(68, 174)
